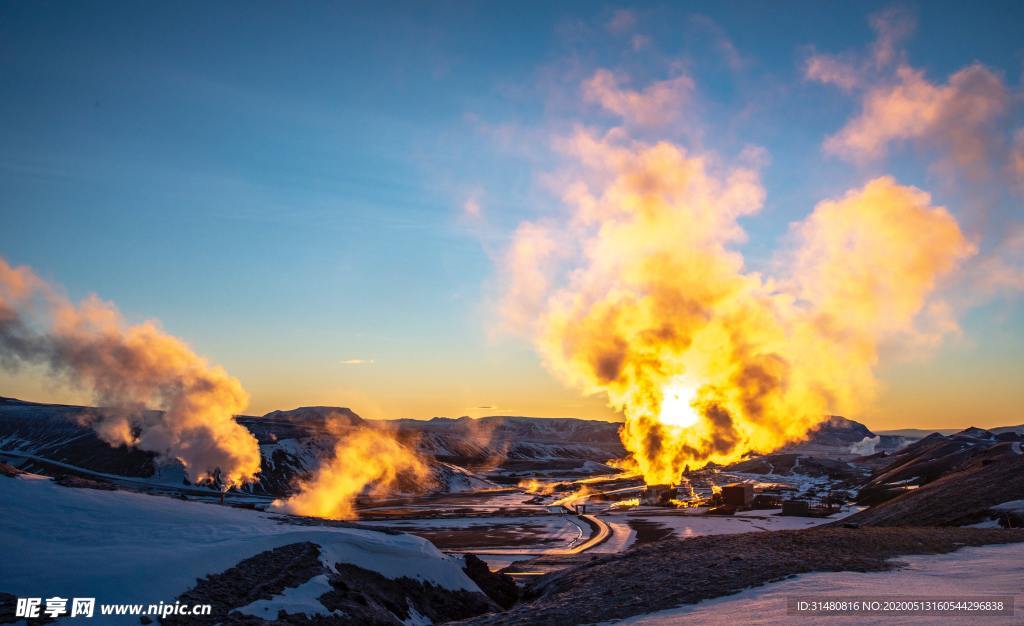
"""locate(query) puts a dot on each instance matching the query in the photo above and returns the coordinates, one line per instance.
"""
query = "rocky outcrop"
(356, 596)
(499, 587)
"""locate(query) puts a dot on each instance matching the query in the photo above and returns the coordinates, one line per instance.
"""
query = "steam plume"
(129, 368)
(707, 361)
(364, 459)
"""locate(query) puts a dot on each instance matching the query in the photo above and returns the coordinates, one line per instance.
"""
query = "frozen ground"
(685, 525)
(989, 570)
(150, 548)
(468, 533)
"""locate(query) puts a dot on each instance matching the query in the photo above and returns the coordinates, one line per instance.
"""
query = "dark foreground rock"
(258, 578)
(669, 573)
(499, 587)
(359, 596)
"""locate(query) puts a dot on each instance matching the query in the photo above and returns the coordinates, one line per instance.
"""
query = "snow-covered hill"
(150, 549)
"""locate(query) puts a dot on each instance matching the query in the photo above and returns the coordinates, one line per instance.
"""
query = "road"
(601, 534)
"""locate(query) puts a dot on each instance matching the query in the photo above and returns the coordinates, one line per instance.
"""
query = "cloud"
(961, 122)
(529, 262)
(726, 48)
(831, 70)
(639, 42)
(1001, 271)
(660, 103)
(622, 21)
(357, 362)
(958, 119)
(1015, 164)
(471, 207)
(891, 27)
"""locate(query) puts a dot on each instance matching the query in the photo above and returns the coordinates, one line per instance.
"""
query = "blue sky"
(284, 187)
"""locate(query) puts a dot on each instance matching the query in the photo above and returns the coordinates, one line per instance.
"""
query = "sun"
(677, 403)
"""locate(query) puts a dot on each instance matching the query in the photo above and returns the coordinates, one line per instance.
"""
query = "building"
(798, 508)
(658, 495)
(811, 507)
(738, 495)
(767, 501)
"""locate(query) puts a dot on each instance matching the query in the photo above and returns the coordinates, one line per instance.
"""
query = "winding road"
(601, 534)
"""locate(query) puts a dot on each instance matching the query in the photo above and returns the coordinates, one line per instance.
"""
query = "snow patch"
(989, 570)
(302, 599)
(416, 618)
(1012, 506)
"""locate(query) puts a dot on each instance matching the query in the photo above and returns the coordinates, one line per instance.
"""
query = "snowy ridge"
(154, 548)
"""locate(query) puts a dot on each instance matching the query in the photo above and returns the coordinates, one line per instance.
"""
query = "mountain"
(313, 417)
(965, 483)
(839, 431)
(920, 433)
(52, 439)
(843, 436)
(507, 446)
(931, 458)
(49, 438)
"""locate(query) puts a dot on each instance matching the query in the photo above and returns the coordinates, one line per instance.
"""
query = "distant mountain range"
(510, 446)
(49, 439)
(943, 480)
(919, 433)
(464, 453)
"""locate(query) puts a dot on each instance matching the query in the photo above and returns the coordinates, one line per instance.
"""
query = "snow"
(416, 619)
(743, 522)
(1012, 506)
(989, 570)
(294, 600)
(152, 548)
(622, 537)
(802, 483)
(989, 523)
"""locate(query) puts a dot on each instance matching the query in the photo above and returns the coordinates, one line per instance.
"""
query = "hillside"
(668, 573)
(177, 543)
(971, 481)
(931, 458)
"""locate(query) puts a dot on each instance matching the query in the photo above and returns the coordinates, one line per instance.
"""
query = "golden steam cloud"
(639, 294)
(365, 460)
(129, 368)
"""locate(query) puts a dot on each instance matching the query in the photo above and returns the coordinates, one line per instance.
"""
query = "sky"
(319, 197)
